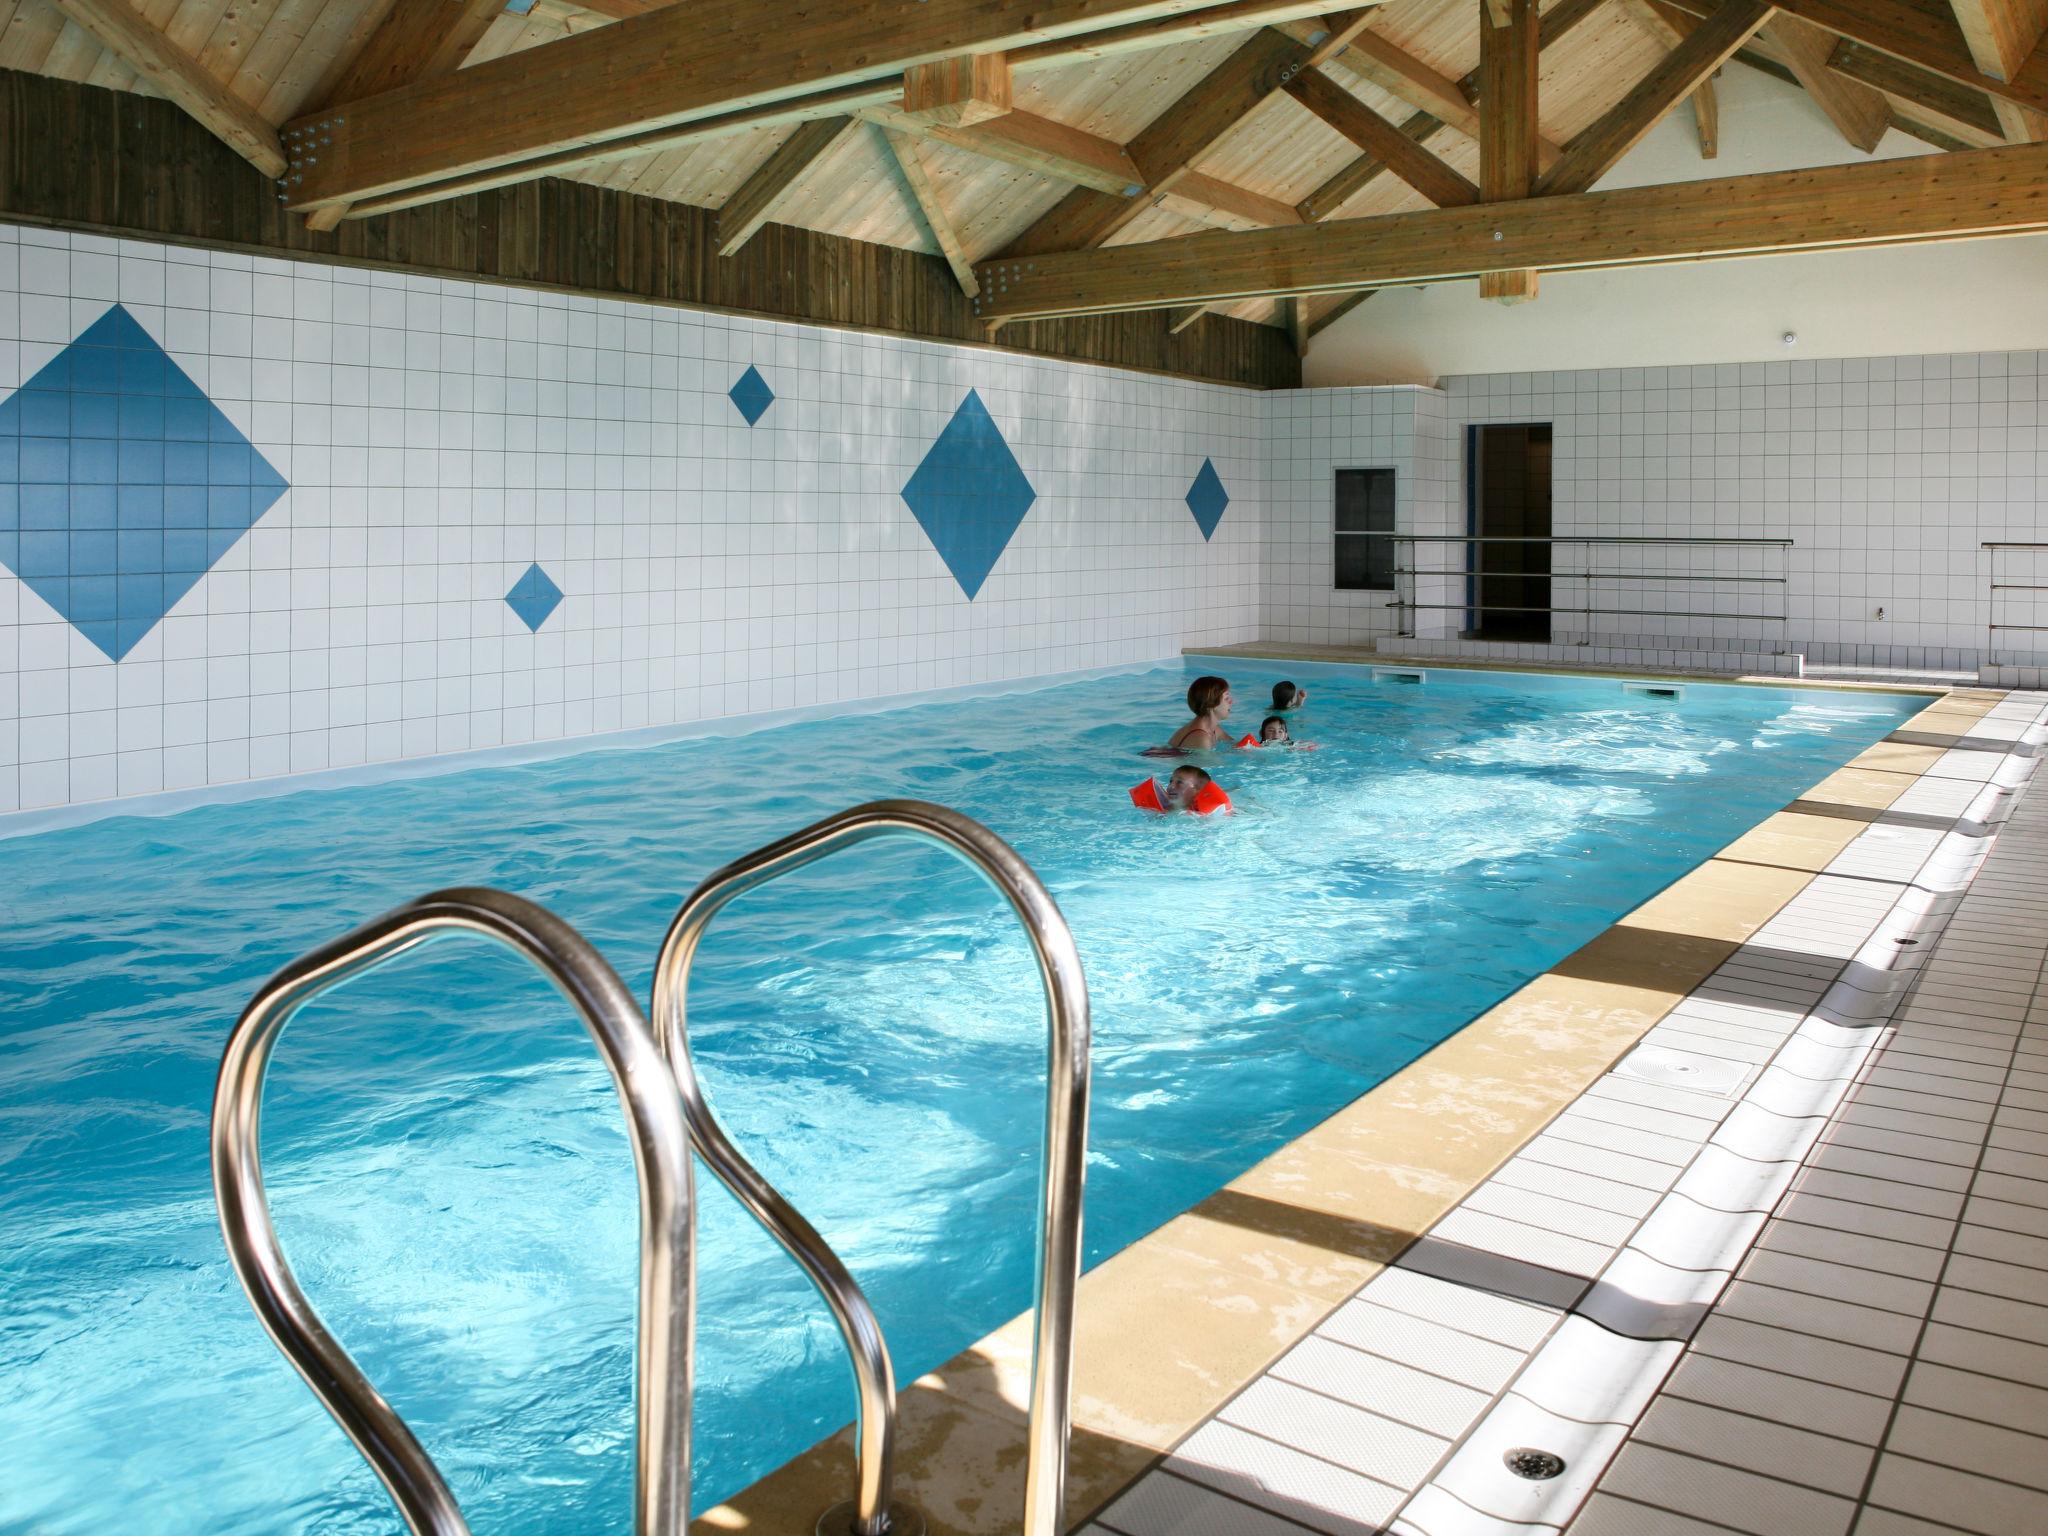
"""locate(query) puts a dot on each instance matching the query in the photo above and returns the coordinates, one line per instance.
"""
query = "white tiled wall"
(1888, 474)
(440, 436)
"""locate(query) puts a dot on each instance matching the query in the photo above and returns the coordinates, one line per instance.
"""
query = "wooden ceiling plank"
(674, 65)
(1875, 202)
(1954, 108)
(1167, 147)
(177, 75)
(1671, 30)
(1385, 141)
(754, 204)
(903, 151)
(1919, 34)
(1507, 142)
(1861, 114)
(1596, 151)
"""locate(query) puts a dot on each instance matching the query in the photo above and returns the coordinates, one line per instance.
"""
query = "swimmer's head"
(1209, 695)
(1273, 729)
(1186, 782)
(1287, 696)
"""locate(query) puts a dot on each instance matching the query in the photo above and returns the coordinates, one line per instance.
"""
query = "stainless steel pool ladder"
(1062, 1164)
(663, 1126)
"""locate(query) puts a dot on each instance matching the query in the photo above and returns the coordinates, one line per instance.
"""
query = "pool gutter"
(1176, 1323)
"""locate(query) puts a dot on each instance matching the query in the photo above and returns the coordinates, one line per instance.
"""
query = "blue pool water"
(446, 1156)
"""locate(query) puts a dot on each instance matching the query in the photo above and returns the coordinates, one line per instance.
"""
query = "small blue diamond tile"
(533, 597)
(751, 395)
(1206, 499)
(969, 495)
(121, 484)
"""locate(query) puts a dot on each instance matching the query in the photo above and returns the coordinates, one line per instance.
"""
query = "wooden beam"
(1507, 148)
(1596, 151)
(958, 92)
(1294, 315)
(1384, 140)
(1400, 74)
(1874, 202)
(1921, 32)
(1706, 120)
(2000, 35)
(412, 42)
(1860, 113)
(1031, 143)
(1563, 17)
(904, 152)
(1182, 27)
(1227, 206)
(1181, 319)
(775, 179)
(131, 37)
(1338, 33)
(676, 65)
(1954, 109)
(1168, 147)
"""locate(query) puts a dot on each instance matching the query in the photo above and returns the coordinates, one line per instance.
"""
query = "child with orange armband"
(1187, 789)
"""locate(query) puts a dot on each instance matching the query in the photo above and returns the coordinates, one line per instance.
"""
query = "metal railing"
(667, 1117)
(2036, 603)
(661, 1154)
(1750, 589)
(1061, 1168)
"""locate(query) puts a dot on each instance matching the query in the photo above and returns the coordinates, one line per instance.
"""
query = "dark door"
(1508, 584)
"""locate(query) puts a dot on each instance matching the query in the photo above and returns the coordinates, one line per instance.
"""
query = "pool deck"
(1510, 1238)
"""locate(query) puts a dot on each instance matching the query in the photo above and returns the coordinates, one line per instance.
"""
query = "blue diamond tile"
(533, 597)
(751, 394)
(1206, 499)
(969, 495)
(121, 484)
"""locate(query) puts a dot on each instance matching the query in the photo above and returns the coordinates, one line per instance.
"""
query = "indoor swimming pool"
(445, 1154)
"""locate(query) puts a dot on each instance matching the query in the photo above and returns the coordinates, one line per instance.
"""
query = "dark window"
(1365, 509)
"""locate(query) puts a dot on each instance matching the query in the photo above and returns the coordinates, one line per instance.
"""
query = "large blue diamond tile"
(121, 484)
(1206, 498)
(969, 495)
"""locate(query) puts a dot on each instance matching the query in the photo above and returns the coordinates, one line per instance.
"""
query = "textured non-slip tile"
(1362, 1440)
(1602, 1194)
(1608, 1514)
(1816, 1210)
(1763, 1393)
(1163, 1505)
(1757, 1445)
(1690, 1485)
(1797, 1354)
(1367, 1381)
(1550, 1212)
(1505, 1320)
(1602, 1162)
(1458, 1357)
(1982, 1505)
(1301, 1487)
(1967, 1394)
(1824, 1317)
(1817, 1277)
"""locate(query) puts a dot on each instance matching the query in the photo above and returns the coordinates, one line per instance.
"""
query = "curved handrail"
(1061, 1170)
(661, 1153)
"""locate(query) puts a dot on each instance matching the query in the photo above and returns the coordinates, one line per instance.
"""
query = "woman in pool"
(1209, 699)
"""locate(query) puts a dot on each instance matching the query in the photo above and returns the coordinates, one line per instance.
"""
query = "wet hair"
(1283, 696)
(1200, 776)
(1205, 693)
(1268, 723)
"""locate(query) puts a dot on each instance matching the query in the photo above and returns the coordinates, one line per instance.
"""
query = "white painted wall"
(1962, 296)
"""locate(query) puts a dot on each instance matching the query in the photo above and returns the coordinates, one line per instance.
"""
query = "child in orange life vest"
(1187, 789)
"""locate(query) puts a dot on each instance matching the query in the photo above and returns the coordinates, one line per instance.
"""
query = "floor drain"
(1905, 941)
(1537, 1466)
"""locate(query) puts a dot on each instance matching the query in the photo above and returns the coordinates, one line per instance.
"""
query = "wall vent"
(1673, 691)
(1397, 675)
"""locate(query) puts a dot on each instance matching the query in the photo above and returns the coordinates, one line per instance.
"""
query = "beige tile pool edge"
(1173, 1325)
